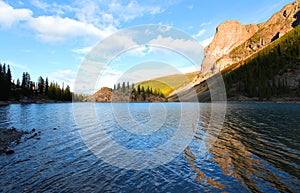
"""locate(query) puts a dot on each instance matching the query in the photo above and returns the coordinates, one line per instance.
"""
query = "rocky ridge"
(234, 42)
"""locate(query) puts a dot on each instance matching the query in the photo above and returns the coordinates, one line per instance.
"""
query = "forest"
(26, 88)
(267, 74)
(137, 90)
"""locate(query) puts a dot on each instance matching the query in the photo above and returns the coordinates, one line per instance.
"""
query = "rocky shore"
(12, 137)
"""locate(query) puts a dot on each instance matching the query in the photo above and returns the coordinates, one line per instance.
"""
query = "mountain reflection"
(247, 153)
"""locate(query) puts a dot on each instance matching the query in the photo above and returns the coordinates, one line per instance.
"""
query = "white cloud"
(56, 28)
(190, 48)
(108, 78)
(207, 41)
(63, 76)
(9, 15)
(200, 33)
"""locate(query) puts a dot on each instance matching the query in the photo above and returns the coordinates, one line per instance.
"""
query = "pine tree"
(2, 83)
(46, 87)
(41, 85)
(123, 87)
(8, 83)
(139, 89)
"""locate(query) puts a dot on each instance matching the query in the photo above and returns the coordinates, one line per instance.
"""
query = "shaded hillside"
(272, 72)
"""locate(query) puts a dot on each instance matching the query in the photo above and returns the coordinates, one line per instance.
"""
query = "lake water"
(256, 150)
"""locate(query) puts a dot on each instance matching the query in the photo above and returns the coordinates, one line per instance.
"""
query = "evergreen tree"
(139, 89)
(8, 83)
(41, 85)
(143, 89)
(46, 87)
(2, 83)
(123, 87)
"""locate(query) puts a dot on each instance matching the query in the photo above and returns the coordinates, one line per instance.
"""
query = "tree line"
(27, 88)
(265, 74)
(137, 90)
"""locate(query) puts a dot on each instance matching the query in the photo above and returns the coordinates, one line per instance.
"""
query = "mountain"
(258, 62)
(272, 73)
(234, 42)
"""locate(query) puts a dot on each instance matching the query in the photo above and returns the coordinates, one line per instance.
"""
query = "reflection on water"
(257, 150)
(259, 146)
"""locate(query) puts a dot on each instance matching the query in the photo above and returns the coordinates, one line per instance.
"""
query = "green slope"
(167, 84)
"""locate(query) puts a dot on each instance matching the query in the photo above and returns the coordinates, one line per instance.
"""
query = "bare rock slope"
(234, 42)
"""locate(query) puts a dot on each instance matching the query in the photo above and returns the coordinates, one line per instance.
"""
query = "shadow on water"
(257, 146)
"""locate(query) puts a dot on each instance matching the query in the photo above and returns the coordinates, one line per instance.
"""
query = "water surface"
(257, 150)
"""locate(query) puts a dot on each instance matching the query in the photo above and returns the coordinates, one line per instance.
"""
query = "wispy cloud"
(190, 6)
(83, 51)
(200, 33)
(205, 24)
(16, 65)
(133, 9)
(40, 4)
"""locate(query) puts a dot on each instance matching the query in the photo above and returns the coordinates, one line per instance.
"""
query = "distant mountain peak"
(234, 42)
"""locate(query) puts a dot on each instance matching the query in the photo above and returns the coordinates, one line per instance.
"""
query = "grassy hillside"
(272, 72)
(167, 84)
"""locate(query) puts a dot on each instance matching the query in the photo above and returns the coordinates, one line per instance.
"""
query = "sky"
(52, 38)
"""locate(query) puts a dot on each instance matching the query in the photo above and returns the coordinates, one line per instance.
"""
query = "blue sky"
(51, 38)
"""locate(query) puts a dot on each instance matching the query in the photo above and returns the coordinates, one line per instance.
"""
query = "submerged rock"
(9, 152)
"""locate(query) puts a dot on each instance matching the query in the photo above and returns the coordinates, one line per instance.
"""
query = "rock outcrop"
(103, 95)
(128, 95)
(234, 42)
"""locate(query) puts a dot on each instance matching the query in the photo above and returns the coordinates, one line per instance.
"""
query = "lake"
(256, 150)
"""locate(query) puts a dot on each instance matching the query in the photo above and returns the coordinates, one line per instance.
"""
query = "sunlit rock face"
(234, 42)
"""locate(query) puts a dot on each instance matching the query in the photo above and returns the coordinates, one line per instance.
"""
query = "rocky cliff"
(234, 42)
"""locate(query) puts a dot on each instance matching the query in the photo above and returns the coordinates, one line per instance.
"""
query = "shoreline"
(45, 101)
(279, 101)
